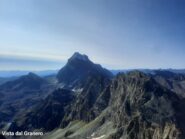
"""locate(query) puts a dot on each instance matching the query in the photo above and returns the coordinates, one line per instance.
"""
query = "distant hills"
(16, 73)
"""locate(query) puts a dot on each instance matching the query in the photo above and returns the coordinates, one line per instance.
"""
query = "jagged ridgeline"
(85, 101)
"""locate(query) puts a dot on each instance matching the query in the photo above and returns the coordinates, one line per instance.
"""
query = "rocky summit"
(86, 101)
(78, 69)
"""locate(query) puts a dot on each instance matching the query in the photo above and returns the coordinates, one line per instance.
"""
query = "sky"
(118, 34)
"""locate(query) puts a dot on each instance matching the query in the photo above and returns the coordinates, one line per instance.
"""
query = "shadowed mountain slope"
(21, 94)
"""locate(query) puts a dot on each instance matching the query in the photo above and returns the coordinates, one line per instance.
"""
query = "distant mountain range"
(181, 71)
(42, 73)
(83, 100)
(16, 73)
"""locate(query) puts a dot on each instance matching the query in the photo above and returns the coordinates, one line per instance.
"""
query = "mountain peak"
(31, 74)
(79, 68)
(79, 56)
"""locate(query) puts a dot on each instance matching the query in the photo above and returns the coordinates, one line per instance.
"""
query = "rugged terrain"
(85, 100)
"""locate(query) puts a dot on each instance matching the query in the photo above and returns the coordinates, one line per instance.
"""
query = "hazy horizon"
(42, 35)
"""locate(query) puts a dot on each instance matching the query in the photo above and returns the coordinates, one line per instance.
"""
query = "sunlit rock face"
(143, 109)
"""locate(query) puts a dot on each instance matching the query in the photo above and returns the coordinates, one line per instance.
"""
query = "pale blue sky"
(119, 34)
